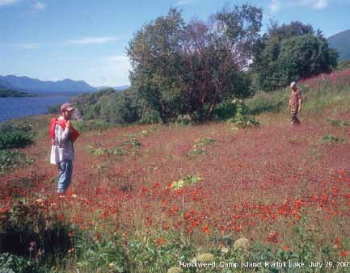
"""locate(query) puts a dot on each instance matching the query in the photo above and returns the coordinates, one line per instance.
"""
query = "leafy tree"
(303, 57)
(122, 108)
(183, 68)
(154, 54)
(291, 52)
(286, 31)
(89, 105)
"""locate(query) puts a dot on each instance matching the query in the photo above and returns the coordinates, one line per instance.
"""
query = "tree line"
(181, 68)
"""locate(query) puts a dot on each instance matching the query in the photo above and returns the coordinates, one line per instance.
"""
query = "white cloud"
(93, 40)
(185, 2)
(320, 4)
(275, 6)
(26, 46)
(8, 2)
(315, 4)
(39, 6)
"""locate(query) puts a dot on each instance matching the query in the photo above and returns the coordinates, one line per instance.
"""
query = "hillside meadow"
(204, 198)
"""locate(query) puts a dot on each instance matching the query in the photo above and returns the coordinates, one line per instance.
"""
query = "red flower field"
(259, 183)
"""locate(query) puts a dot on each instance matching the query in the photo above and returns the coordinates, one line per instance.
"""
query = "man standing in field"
(295, 103)
(63, 135)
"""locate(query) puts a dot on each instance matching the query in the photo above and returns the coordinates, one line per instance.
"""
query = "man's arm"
(299, 109)
(290, 102)
(62, 135)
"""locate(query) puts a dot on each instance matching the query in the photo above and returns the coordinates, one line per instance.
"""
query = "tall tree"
(291, 52)
(183, 68)
(154, 55)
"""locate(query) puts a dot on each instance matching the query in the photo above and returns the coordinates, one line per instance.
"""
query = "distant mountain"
(122, 87)
(116, 88)
(30, 85)
(341, 43)
(4, 85)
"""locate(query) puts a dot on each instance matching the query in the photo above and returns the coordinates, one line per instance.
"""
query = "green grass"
(326, 97)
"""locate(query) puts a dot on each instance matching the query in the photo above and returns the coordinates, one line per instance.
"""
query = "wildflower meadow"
(191, 198)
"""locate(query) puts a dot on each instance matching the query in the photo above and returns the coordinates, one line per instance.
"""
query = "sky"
(87, 39)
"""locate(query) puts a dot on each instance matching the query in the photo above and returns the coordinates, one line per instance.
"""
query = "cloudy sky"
(86, 39)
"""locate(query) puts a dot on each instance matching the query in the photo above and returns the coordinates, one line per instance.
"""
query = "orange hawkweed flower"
(273, 237)
(205, 229)
(338, 242)
(159, 242)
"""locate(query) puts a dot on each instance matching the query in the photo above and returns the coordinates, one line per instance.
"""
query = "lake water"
(21, 107)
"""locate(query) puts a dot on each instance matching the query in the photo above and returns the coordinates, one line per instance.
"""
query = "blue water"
(21, 107)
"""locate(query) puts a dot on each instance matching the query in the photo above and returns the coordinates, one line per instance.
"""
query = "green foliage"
(90, 105)
(15, 136)
(199, 146)
(101, 256)
(343, 65)
(291, 52)
(303, 57)
(181, 69)
(188, 180)
(148, 256)
(156, 64)
(15, 140)
(267, 102)
(89, 125)
(338, 123)
(115, 151)
(324, 96)
(108, 106)
(10, 263)
(11, 159)
(331, 139)
(55, 109)
(27, 229)
(130, 146)
(225, 110)
(135, 144)
(149, 116)
(6, 93)
(122, 108)
(242, 118)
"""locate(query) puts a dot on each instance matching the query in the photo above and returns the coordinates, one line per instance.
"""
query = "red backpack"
(74, 134)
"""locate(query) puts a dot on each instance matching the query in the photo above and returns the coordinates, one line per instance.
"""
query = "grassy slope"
(254, 182)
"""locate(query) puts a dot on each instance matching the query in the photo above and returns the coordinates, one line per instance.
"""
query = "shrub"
(338, 123)
(15, 136)
(188, 180)
(12, 264)
(331, 139)
(242, 118)
(28, 229)
(89, 125)
(55, 109)
(10, 159)
(149, 117)
(263, 102)
(15, 140)
(225, 110)
(102, 255)
(199, 146)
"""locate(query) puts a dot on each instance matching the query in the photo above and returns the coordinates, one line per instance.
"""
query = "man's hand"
(68, 124)
(299, 109)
